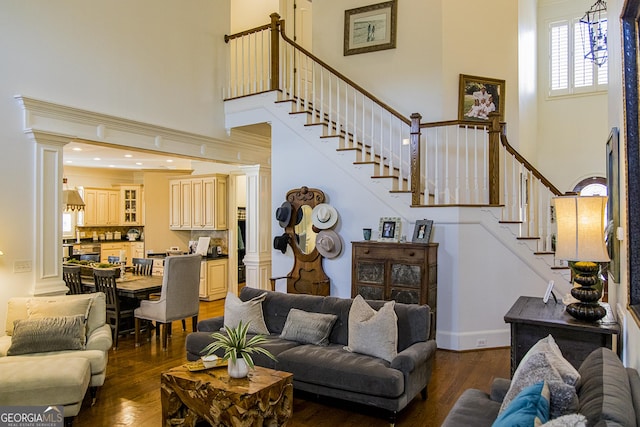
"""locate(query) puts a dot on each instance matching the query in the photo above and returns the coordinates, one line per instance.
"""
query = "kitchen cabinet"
(131, 205)
(404, 272)
(102, 206)
(131, 250)
(198, 203)
(213, 279)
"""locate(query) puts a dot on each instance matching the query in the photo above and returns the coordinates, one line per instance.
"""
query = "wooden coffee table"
(265, 397)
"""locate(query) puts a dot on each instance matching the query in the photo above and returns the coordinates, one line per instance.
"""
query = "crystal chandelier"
(594, 33)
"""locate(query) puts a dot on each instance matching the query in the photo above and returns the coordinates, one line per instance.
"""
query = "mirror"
(305, 236)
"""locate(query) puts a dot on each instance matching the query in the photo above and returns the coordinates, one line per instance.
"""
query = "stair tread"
(528, 238)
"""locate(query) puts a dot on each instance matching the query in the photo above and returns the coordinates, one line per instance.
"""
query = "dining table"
(131, 286)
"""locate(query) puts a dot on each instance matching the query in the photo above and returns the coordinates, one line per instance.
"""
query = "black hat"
(280, 242)
(283, 214)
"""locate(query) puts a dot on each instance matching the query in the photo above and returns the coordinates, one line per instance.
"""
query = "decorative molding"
(120, 132)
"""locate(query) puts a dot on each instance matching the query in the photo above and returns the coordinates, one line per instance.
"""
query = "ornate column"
(47, 260)
(257, 259)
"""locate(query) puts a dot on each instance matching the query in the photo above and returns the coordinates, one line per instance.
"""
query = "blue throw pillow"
(529, 408)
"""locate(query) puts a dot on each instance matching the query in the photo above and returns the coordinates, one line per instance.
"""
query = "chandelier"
(594, 22)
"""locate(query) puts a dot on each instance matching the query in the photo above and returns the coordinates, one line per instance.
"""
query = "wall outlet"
(22, 266)
(482, 342)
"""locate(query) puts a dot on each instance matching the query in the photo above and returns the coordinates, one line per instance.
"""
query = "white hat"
(328, 244)
(324, 216)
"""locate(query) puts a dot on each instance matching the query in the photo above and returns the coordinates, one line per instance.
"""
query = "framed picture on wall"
(370, 28)
(479, 96)
(613, 204)
(389, 229)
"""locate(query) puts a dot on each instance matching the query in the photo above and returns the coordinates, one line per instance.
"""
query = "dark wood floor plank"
(131, 393)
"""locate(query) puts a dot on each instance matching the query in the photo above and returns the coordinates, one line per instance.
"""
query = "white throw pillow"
(371, 332)
(249, 312)
(571, 420)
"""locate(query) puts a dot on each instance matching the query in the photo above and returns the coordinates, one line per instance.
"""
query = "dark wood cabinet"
(531, 320)
(404, 272)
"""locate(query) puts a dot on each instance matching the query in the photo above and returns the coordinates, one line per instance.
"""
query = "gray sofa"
(608, 395)
(331, 370)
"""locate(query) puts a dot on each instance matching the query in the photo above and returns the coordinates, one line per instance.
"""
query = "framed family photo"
(479, 96)
(389, 229)
(370, 28)
(422, 231)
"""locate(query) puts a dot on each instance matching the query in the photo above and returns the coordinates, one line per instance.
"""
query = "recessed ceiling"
(98, 156)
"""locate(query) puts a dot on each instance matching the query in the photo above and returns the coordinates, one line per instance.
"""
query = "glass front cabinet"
(404, 272)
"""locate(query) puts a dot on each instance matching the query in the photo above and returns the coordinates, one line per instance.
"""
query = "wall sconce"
(580, 240)
(594, 33)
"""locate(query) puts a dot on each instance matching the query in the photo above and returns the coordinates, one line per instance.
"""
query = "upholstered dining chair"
(90, 257)
(142, 266)
(112, 259)
(118, 314)
(179, 297)
(72, 278)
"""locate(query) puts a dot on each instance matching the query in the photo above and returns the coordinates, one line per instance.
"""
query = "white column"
(47, 261)
(257, 259)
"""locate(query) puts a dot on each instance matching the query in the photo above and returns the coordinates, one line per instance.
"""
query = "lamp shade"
(580, 234)
(71, 200)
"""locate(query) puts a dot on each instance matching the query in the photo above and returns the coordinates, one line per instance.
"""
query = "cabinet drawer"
(411, 254)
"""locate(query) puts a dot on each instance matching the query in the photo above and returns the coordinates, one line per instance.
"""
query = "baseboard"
(475, 340)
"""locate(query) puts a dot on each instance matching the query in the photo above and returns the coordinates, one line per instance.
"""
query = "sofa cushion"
(473, 408)
(342, 370)
(536, 368)
(308, 328)
(604, 390)
(236, 310)
(39, 308)
(529, 408)
(48, 334)
(372, 332)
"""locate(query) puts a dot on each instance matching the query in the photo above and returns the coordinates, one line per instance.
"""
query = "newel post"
(416, 171)
(275, 51)
(494, 158)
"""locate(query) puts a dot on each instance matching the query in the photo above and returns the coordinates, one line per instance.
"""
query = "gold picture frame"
(370, 28)
(478, 96)
(389, 229)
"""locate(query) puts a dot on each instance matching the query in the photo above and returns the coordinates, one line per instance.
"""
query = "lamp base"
(587, 311)
(585, 274)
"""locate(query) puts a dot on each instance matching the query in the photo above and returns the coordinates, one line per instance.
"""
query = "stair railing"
(441, 163)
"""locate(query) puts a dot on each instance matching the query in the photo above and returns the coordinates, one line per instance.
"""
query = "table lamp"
(580, 241)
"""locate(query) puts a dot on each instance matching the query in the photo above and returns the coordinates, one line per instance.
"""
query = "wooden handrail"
(453, 122)
(529, 166)
(343, 77)
(246, 32)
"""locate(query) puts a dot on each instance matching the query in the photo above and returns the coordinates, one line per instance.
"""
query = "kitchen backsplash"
(218, 238)
(87, 232)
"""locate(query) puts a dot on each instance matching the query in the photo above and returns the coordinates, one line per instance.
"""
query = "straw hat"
(324, 216)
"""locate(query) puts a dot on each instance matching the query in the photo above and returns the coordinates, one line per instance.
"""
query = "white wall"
(246, 14)
(155, 61)
(573, 127)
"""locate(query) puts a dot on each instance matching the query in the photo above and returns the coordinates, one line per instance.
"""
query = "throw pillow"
(249, 312)
(536, 368)
(371, 332)
(571, 420)
(48, 334)
(548, 346)
(39, 308)
(308, 328)
(529, 408)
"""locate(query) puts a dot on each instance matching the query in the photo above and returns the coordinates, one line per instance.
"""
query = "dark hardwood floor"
(131, 393)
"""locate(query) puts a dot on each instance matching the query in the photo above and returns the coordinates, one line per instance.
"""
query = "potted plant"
(237, 349)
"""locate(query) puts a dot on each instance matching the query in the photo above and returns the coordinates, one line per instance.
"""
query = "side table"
(531, 320)
(265, 397)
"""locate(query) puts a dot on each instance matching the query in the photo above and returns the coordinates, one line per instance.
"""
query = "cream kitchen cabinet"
(102, 206)
(131, 205)
(198, 203)
(213, 279)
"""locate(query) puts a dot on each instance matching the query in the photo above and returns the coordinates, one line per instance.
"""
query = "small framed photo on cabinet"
(422, 231)
(389, 229)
